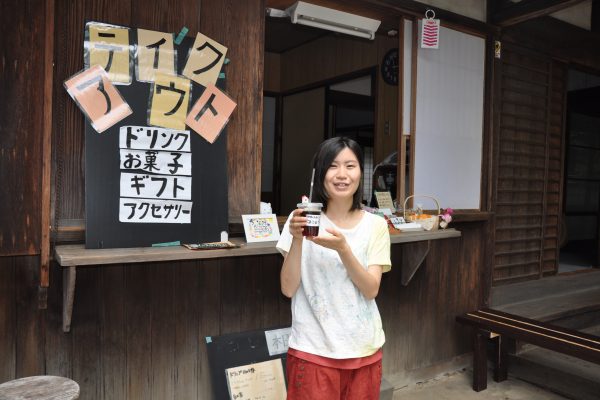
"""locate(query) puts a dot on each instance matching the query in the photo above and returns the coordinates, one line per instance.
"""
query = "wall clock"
(390, 67)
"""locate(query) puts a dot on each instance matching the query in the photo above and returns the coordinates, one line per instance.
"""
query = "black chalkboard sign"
(239, 349)
(209, 212)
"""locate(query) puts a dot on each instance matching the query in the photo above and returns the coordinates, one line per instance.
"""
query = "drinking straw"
(312, 183)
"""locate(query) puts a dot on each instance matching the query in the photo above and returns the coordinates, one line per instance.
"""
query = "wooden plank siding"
(21, 126)
(139, 329)
(237, 25)
(528, 189)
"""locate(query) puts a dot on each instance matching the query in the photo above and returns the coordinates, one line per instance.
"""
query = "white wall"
(449, 120)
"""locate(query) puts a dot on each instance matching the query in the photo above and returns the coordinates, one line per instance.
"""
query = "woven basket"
(429, 224)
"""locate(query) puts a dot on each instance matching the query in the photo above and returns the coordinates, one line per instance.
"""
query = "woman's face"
(343, 176)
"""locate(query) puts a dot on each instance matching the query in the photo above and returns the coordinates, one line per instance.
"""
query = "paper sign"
(97, 98)
(260, 381)
(205, 60)
(430, 33)
(152, 138)
(386, 211)
(260, 227)
(155, 180)
(156, 186)
(169, 102)
(108, 47)
(384, 200)
(156, 162)
(155, 53)
(154, 211)
(397, 221)
(278, 340)
(210, 114)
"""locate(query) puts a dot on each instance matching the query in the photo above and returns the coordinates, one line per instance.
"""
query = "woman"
(333, 279)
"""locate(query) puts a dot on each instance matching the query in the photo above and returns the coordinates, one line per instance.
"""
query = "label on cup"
(313, 219)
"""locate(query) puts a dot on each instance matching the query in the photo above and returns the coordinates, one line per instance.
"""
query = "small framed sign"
(384, 200)
(260, 227)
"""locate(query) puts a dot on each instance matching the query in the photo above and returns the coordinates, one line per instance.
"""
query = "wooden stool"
(42, 387)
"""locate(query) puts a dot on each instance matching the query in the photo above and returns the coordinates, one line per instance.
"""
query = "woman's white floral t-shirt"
(330, 316)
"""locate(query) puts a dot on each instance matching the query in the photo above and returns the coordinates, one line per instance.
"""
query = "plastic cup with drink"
(312, 212)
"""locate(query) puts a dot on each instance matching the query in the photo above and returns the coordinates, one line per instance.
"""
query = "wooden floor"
(550, 298)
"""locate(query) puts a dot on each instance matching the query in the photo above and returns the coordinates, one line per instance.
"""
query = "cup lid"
(310, 205)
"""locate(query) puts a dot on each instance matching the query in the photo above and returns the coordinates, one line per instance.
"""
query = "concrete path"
(457, 386)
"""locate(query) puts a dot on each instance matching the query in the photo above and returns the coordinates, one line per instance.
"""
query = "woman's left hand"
(336, 241)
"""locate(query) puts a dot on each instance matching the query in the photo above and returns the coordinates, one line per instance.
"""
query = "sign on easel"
(249, 365)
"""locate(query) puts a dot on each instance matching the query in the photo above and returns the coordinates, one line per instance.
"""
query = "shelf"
(70, 257)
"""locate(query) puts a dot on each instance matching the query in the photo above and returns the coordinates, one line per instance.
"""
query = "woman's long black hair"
(322, 160)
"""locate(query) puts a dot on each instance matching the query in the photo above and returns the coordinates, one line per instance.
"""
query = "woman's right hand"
(297, 223)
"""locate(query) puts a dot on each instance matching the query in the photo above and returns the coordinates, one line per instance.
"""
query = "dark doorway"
(581, 230)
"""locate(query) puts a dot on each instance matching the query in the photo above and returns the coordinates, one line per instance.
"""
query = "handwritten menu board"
(148, 184)
(249, 365)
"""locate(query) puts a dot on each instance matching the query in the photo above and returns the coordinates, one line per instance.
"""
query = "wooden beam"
(46, 152)
(529, 9)
(558, 39)
(416, 9)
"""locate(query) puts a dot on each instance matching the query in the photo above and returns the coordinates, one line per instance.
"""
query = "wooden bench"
(502, 327)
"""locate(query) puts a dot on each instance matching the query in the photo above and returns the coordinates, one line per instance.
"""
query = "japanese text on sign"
(108, 46)
(277, 340)
(98, 98)
(259, 381)
(205, 60)
(155, 180)
(210, 114)
(170, 100)
(155, 53)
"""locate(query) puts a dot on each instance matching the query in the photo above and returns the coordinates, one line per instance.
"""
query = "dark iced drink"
(312, 211)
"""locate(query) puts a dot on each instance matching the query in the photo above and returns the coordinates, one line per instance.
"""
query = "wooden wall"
(333, 56)
(528, 185)
(21, 125)
(138, 330)
(238, 26)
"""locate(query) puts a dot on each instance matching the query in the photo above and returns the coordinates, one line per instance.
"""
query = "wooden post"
(69, 277)
(480, 360)
(501, 361)
(46, 154)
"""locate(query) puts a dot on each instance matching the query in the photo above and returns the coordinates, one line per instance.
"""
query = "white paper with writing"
(277, 340)
(260, 381)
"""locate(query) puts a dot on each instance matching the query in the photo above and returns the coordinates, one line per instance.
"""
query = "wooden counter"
(72, 256)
